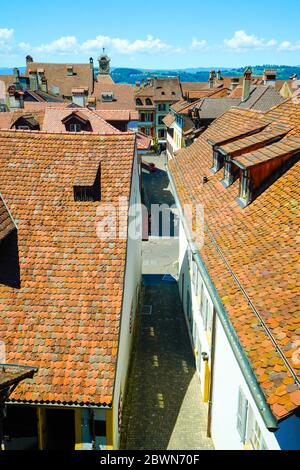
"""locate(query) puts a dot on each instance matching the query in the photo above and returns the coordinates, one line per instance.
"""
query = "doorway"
(60, 425)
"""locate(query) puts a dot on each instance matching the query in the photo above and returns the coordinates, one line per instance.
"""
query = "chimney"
(247, 84)
(143, 83)
(16, 74)
(235, 81)
(137, 84)
(211, 80)
(92, 63)
(29, 59)
(270, 77)
(44, 85)
(33, 81)
(219, 77)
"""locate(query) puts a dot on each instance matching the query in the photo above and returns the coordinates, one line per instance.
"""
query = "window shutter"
(242, 415)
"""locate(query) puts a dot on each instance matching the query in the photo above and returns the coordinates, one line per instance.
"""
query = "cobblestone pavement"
(164, 409)
(160, 255)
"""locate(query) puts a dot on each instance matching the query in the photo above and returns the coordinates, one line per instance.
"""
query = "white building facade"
(229, 388)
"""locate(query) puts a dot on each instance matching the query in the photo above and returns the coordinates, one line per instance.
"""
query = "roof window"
(107, 97)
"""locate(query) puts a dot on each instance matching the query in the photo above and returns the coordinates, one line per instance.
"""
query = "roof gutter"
(239, 353)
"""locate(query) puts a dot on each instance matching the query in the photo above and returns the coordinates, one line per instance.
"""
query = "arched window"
(139, 102)
(148, 102)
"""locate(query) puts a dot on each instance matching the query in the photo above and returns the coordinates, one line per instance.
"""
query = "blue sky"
(154, 34)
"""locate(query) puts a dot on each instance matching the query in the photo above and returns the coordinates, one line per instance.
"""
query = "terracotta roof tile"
(7, 224)
(57, 76)
(259, 243)
(123, 96)
(65, 318)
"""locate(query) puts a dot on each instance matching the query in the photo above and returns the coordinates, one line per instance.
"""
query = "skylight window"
(107, 97)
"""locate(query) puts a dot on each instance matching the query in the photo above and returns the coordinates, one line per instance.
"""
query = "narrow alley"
(164, 408)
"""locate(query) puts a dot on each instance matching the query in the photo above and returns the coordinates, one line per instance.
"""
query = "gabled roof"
(167, 89)
(65, 317)
(118, 114)
(262, 98)
(212, 108)
(105, 79)
(123, 96)
(57, 76)
(285, 147)
(52, 119)
(259, 244)
(169, 119)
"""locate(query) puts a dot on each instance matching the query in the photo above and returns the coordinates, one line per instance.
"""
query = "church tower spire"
(104, 63)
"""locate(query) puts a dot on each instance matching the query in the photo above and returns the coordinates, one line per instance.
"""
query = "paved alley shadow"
(162, 370)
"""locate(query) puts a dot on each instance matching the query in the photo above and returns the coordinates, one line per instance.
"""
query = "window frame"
(74, 126)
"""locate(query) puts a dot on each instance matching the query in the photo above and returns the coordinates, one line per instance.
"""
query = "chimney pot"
(247, 84)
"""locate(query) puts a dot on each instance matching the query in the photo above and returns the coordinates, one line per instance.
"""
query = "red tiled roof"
(65, 317)
(118, 114)
(7, 224)
(143, 141)
(57, 76)
(40, 105)
(5, 120)
(259, 243)
(51, 119)
(123, 96)
(169, 119)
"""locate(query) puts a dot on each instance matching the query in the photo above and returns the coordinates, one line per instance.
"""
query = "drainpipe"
(212, 362)
(93, 432)
(239, 353)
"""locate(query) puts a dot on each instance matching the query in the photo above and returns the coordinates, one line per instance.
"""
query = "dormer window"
(87, 187)
(218, 160)
(261, 168)
(77, 122)
(75, 127)
(107, 97)
(245, 189)
(231, 172)
(27, 122)
(70, 71)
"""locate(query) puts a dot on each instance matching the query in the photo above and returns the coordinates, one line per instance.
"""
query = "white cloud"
(198, 44)
(59, 46)
(70, 44)
(242, 41)
(124, 46)
(6, 39)
(289, 46)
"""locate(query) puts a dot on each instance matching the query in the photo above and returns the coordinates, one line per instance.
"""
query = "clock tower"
(104, 64)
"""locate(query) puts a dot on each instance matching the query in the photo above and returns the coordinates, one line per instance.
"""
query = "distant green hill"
(124, 75)
(131, 75)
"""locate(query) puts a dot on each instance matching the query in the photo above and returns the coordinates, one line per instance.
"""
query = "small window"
(218, 161)
(107, 97)
(75, 127)
(161, 133)
(70, 71)
(139, 102)
(160, 120)
(242, 415)
(245, 189)
(231, 173)
(148, 102)
(254, 434)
